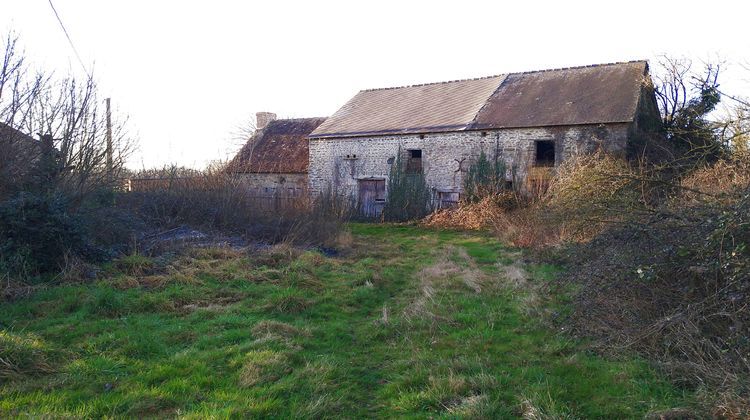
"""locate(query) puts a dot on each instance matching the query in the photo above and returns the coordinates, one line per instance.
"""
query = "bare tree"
(735, 128)
(66, 114)
(244, 137)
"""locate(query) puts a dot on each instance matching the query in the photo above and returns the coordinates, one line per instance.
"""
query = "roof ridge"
(298, 119)
(434, 83)
(581, 67)
(507, 74)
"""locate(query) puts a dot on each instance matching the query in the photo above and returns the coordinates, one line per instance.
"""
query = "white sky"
(189, 73)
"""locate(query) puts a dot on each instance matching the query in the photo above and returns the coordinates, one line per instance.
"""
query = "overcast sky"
(189, 73)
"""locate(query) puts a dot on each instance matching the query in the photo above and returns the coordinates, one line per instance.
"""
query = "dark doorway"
(545, 153)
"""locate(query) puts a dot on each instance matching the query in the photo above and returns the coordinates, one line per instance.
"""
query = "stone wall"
(341, 162)
(266, 185)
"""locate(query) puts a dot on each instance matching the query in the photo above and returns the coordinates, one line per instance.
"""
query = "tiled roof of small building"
(604, 93)
(280, 147)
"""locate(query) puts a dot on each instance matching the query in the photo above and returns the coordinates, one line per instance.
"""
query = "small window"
(545, 153)
(414, 163)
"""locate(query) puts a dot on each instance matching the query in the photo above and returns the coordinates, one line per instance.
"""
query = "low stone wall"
(284, 185)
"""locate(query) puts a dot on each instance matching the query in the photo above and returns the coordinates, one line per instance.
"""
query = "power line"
(65, 31)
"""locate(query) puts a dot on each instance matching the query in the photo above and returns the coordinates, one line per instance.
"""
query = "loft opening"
(545, 153)
(414, 161)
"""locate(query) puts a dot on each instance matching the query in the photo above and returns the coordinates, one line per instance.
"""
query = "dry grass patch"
(541, 406)
(135, 265)
(472, 406)
(276, 256)
(275, 328)
(23, 355)
(263, 366)
(442, 275)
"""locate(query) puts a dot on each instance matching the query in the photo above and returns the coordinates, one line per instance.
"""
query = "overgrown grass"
(405, 322)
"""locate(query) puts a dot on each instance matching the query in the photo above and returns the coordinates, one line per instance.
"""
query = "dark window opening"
(414, 163)
(545, 153)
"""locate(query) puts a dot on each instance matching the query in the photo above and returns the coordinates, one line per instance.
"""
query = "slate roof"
(446, 106)
(280, 147)
(603, 93)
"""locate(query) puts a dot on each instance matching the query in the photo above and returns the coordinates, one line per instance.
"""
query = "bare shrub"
(54, 191)
(673, 284)
(718, 181)
(215, 200)
(590, 192)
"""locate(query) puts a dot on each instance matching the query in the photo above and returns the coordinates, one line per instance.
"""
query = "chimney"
(263, 118)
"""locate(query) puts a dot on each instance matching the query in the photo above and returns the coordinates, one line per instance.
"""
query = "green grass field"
(406, 322)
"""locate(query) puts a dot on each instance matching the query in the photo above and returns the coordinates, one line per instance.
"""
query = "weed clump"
(23, 355)
(108, 302)
(277, 256)
(263, 366)
(134, 265)
(288, 301)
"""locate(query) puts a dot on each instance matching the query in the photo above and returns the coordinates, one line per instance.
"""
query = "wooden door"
(371, 197)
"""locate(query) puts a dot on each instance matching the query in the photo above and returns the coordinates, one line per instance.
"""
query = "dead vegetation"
(277, 328)
(660, 261)
(262, 366)
(453, 266)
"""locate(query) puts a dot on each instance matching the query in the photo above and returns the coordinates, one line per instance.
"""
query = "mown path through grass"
(405, 322)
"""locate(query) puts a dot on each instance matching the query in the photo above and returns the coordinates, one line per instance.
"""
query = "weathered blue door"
(371, 197)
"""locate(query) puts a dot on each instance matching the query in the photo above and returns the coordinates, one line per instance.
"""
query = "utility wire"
(65, 31)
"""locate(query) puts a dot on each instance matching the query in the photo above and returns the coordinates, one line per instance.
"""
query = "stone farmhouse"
(273, 163)
(533, 121)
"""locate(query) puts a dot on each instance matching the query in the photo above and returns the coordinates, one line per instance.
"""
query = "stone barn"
(273, 162)
(533, 121)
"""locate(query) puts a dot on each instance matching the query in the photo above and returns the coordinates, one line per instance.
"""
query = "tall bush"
(37, 232)
(409, 197)
(484, 178)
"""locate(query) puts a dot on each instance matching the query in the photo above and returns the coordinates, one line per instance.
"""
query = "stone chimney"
(263, 118)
